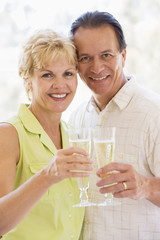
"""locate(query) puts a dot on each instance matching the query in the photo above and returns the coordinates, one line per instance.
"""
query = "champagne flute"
(81, 137)
(104, 145)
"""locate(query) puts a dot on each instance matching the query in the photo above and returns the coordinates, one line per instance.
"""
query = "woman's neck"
(50, 123)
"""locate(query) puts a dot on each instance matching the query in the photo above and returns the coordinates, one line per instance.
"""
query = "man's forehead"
(101, 39)
(91, 29)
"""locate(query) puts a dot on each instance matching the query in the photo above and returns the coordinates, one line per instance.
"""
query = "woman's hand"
(71, 162)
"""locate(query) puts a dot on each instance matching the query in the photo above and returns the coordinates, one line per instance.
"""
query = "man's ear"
(124, 53)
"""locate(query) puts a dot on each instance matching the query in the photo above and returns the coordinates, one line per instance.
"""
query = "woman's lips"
(59, 96)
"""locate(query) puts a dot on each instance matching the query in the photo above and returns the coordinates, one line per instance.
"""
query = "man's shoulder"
(78, 113)
(149, 97)
(145, 102)
(82, 107)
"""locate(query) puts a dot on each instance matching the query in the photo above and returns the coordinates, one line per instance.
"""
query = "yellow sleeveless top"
(53, 217)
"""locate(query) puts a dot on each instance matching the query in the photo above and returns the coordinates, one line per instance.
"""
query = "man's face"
(100, 62)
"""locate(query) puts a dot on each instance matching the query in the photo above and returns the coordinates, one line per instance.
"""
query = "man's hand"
(127, 182)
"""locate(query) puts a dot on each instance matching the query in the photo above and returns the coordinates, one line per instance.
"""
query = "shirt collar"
(29, 121)
(121, 99)
(32, 125)
(65, 138)
(125, 94)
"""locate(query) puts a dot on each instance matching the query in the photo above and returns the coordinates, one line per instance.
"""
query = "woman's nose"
(58, 81)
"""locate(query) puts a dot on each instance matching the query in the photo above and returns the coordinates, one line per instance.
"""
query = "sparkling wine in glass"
(81, 137)
(104, 145)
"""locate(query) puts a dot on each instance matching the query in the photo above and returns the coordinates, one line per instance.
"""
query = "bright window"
(19, 18)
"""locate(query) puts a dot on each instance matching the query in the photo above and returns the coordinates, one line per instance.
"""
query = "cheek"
(81, 76)
(121, 62)
(81, 69)
(73, 85)
(118, 66)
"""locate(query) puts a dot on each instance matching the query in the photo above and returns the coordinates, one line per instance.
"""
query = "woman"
(35, 158)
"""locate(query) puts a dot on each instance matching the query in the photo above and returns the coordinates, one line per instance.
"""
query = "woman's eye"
(47, 75)
(68, 74)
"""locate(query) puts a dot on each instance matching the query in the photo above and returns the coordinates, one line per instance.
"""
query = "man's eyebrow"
(87, 54)
(107, 50)
(83, 54)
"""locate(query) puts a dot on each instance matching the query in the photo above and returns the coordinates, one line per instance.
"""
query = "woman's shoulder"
(7, 128)
(8, 134)
(9, 141)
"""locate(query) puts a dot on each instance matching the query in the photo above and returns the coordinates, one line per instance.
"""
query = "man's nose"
(97, 66)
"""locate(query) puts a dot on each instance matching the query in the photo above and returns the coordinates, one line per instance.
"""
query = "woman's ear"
(28, 87)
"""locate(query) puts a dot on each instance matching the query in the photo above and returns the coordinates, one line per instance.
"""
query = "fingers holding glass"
(68, 164)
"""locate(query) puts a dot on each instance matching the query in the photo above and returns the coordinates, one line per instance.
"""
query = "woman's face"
(54, 87)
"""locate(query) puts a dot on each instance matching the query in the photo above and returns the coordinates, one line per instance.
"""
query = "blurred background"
(140, 20)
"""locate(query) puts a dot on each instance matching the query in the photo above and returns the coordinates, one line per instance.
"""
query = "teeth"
(58, 95)
(97, 79)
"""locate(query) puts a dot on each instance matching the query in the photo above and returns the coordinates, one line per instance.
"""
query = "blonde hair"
(41, 48)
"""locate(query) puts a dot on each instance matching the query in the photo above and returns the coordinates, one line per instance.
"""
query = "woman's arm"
(15, 205)
(9, 157)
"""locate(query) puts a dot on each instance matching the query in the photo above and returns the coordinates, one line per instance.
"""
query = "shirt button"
(70, 194)
(95, 168)
(72, 236)
(120, 155)
(69, 215)
(89, 195)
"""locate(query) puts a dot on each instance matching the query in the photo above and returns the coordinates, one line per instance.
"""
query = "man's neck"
(102, 100)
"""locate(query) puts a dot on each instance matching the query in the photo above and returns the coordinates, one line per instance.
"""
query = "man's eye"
(84, 59)
(107, 55)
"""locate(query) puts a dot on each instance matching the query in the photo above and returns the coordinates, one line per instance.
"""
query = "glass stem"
(83, 195)
(108, 197)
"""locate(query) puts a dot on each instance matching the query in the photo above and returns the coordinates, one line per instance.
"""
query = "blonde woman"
(37, 184)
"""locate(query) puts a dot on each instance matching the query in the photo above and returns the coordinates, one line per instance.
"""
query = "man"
(119, 101)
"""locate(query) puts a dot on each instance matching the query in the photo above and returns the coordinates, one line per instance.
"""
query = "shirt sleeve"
(153, 146)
